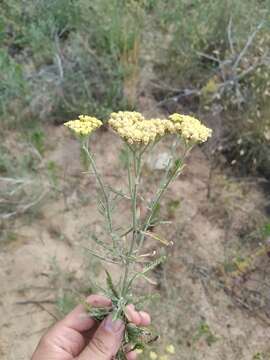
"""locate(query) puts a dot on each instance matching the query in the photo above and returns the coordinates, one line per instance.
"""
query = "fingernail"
(113, 325)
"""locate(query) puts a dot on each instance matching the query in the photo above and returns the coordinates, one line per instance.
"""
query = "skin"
(79, 337)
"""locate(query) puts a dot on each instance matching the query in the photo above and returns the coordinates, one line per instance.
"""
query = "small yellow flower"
(163, 357)
(83, 126)
(135, 129)
(170, 349)
(153, 355)
(190, 128)
(176, 118)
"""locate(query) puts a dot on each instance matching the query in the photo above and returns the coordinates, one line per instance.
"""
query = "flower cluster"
(190, 128)
(132, 127)
(83, 126)
(163, 126)
(170, 350)
(135, 129)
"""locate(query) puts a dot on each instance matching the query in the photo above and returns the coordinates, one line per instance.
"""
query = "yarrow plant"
(126, 246)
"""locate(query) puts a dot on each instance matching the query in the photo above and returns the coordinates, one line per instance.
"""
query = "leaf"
(98, 313)
(96, 239)
(101, 257)
(119, 193)
(152, 282)
(155, 237)
(139, 303)
(153, 264)
(148, 268)
(97, 288)
(133, 333)
(155, 212)
(111, 285)
(177, 164)
(176, 168)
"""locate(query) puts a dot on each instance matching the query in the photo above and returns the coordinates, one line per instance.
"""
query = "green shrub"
(197, 27)
(59, 58)
(219, 51)
(69, 56)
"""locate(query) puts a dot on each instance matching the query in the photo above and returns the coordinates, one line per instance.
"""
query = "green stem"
(102, 187)
(134, 195)
(165, 182)
(154, 205)
(129, 172)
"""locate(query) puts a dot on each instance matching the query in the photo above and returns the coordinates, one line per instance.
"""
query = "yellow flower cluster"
(134, 128)
(153, 355)
(130, 117)
(170, 349)
(190, 128)
(83, 126)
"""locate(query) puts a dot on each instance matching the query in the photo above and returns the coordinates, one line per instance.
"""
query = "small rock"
(160, 161)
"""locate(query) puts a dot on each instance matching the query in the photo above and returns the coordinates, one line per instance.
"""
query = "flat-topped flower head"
(132, 127)
(189, 128)
(135, 129)
(84, 125)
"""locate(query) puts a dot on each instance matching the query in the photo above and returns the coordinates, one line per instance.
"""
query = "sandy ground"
(48, 255)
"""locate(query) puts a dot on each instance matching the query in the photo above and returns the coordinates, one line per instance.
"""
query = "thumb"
(106, 341)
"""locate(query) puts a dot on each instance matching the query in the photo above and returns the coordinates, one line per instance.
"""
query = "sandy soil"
(47, 256)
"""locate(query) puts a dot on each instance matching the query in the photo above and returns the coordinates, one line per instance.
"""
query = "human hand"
(79, 337)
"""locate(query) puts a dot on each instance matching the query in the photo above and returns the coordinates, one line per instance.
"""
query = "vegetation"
(77, 55)
(126, 245)
(209, 59)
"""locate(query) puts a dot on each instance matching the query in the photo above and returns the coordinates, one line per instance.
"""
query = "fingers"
(99, 301)
(145, 318)
(78, 319)
(132, 355)
(139, 318)
(106, 341)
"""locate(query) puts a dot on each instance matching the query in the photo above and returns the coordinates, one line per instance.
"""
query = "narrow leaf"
(155, 237)
(153, 264)
(111, 285)
(142, 300)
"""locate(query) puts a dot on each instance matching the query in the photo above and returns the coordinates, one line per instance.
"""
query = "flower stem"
(154, 205)
(165, 182)
(102, 188)
(134, 194)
